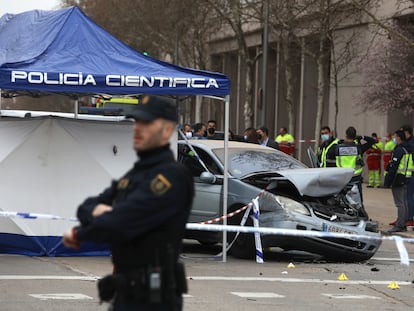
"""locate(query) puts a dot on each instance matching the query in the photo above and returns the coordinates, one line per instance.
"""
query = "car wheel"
(244, 246)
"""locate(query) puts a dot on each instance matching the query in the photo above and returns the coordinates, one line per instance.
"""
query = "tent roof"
(64, 51)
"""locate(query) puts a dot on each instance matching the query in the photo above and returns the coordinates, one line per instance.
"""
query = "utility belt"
(144, 285)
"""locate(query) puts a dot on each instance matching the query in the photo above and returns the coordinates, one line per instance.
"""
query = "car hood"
(318, 182)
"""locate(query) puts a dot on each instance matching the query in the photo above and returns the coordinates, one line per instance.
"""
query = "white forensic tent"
(48, 166)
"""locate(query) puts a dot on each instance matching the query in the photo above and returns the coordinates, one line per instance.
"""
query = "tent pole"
(76, 107)
(226, 169)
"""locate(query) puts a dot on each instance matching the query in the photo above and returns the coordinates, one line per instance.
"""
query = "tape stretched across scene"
(404, 258)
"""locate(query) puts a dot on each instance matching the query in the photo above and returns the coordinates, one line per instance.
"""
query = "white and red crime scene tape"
(404, 258)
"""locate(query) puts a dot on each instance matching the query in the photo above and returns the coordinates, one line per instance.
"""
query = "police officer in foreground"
(142, 216)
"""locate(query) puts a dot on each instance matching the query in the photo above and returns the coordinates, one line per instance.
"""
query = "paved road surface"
(382, 283)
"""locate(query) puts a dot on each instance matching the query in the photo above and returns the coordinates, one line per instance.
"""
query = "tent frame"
(226, 101)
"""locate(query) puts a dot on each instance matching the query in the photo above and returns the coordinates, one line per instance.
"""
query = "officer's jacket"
(151, 204)
(351, 154)
(400, 163)
(326, 154)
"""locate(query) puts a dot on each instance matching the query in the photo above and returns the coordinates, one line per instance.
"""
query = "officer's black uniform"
(150, 208)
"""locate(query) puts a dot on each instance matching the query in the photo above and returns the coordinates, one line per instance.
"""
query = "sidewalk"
(379, 205)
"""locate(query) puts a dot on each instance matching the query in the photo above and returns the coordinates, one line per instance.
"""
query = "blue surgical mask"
(394, 140)
(325, 137)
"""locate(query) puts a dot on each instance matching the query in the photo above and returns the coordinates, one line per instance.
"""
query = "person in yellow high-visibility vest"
(286, 141)
(374, 162)
(325, 152)
(388, 148)
(350, 154)
(398, 177)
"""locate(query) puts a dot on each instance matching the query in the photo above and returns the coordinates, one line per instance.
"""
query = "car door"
(208, 196)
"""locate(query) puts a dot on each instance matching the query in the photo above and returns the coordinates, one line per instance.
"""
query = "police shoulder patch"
(160, 184)
(123, 183)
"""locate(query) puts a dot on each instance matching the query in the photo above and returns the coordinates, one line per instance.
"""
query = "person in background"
(250, 135)
(286, 141)
(374, 162)
(212, 132)
(188, 131)
(211, 129)
(231, 135)
(263, 137)
(325, 153)
(349, 153)
(408, 132)
(142, 216)
(388, 148)
(397, 177)
(199, 131)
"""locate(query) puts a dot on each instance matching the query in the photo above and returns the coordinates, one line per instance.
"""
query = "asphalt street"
(285, 281)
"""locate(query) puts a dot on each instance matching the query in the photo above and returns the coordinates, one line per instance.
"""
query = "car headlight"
(270, 202)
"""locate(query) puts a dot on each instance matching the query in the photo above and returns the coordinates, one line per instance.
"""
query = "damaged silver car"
(295, 197)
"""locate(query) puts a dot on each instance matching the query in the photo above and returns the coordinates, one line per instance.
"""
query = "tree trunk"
(320, 97)
(289, 100)
(248, 103)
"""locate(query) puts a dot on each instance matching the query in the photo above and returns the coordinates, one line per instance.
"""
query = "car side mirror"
(208, 178)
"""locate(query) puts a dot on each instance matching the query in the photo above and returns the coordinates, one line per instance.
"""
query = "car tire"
(243, 247)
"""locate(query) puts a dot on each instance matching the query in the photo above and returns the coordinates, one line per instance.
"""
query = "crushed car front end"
(285, 205)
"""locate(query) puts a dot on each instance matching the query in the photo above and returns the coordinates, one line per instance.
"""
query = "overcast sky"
(18, 6)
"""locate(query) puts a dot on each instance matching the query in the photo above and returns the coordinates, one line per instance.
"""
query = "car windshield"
(243, 162)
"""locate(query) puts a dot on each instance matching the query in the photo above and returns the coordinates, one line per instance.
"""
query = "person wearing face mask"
(212, 132)
(263, 137)
(325, 152)
(188, 131)
(398, 177)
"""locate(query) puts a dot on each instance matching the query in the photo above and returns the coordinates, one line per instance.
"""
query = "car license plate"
(332, 228)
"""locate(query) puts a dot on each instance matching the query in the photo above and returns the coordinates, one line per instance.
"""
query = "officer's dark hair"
(350, 132)
(250, 130)
(197, 127)
(265, 130)
(212, 121)
(374, 135)
(327, 128)
(251, 134)
(407, 128)
(400, 134)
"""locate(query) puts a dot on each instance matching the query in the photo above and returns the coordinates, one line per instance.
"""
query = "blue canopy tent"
(65, 52)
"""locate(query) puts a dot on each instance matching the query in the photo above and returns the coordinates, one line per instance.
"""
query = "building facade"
(339, 103)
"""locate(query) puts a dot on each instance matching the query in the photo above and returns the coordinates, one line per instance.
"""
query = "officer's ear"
(168, 127)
